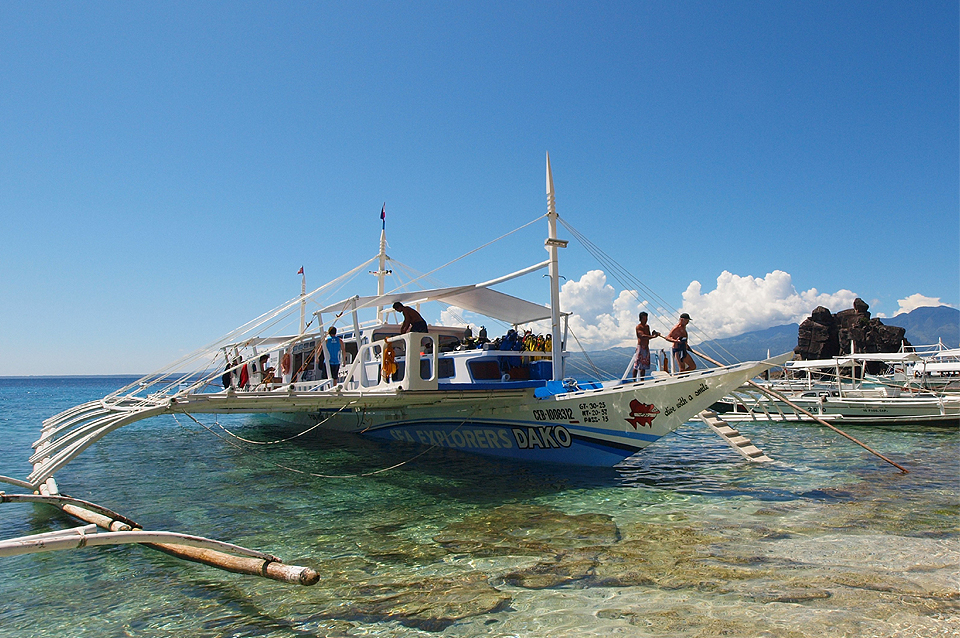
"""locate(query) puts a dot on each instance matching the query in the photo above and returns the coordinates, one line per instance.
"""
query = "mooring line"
(314, 474)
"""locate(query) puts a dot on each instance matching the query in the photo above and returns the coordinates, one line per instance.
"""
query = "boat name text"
(544, 437)
(483, 438)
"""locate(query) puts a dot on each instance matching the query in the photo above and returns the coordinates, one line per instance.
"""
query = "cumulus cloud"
(742, 304)
(917, 301)
(604, 317)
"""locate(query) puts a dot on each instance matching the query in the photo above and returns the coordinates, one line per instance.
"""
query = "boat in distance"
(440, 387)
(838, 390)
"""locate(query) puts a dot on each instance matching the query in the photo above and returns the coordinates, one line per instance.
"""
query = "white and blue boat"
(436, 388)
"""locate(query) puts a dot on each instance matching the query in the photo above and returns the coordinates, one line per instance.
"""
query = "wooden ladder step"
(733, 438)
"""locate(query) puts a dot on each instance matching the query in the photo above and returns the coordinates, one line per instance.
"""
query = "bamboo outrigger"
(121, 530)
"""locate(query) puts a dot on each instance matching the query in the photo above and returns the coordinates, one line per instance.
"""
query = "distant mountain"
(749, 346)
(923, 325)
(752, 346)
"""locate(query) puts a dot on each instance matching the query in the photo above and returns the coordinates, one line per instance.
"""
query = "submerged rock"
(653, 555)
(431, 603)
(526, 530)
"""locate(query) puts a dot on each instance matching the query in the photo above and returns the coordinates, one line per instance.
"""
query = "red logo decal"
(642, 414)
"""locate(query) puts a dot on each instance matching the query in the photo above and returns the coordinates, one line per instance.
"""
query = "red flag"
(300, 272)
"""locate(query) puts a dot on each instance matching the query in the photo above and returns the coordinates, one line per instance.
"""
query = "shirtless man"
(678, 336)
(642, 362)
(412, 321)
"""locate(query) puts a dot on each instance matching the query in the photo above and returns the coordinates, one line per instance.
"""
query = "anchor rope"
(308, 430)
(314, 474)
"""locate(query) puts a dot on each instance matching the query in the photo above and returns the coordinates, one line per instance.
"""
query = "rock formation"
(823, 335)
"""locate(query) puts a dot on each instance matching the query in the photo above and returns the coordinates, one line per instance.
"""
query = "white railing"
(366, 371)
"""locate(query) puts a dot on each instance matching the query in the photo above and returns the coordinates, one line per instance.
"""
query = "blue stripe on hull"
(540, 443)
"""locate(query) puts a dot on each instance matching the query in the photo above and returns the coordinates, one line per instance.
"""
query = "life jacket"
(389, 362)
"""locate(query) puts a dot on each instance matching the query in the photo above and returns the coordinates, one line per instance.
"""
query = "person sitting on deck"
(267, 370)
(412, 321)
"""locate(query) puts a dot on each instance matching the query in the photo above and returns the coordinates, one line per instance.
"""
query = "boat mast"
(382, 272)
(303, 301)
(552, 244)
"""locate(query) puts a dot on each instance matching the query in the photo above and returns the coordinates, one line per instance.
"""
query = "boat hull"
(596, 427)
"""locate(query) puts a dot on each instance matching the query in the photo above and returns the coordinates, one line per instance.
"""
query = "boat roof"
(846, 360)
(475, 298)
(953, 352)
(942, 366)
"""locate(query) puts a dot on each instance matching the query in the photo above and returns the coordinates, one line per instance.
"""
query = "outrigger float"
(436, 388)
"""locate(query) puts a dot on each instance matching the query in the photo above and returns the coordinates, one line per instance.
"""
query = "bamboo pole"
(253, 564)
(776, 395)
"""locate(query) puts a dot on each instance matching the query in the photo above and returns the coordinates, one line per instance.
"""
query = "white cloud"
(917, 301)
(742, 304)
(604, 317)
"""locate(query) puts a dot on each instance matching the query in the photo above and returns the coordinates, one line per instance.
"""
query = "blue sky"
(167, 168)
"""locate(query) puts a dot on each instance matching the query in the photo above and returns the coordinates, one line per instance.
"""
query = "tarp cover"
(481, 300)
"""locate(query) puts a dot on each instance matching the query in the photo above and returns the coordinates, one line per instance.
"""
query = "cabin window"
(485, 370)
(445, 369)
(448, 343)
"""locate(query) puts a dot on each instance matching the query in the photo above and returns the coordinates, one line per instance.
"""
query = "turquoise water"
(689, 540)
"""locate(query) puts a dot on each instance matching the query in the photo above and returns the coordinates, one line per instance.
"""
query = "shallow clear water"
(688, 540)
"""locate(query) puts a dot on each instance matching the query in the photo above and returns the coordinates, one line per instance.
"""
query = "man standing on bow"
(642, 361)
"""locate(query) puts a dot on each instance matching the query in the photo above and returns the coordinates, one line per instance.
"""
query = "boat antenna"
(552, 244)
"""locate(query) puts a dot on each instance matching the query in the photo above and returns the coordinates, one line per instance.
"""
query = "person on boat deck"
(266, 370)
(642, 361)
(412, 321)
(334, 351)
(678, 336)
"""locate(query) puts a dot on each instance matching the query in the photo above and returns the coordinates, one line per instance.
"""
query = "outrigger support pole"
(121, 530)
(773, 394)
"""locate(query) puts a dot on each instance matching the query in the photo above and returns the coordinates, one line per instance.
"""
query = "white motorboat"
(436, 388)
(837, 390)
(937, 371)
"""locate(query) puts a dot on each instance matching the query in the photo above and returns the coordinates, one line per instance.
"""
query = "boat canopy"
(848, 360)
(943, 366)
(475, 298)
(953, 352)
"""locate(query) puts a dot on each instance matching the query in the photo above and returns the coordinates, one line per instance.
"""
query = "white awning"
(953, 352)
(945, 366)
(474, 298)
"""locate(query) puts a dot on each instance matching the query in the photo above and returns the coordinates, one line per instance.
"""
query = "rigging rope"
(628, 281)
